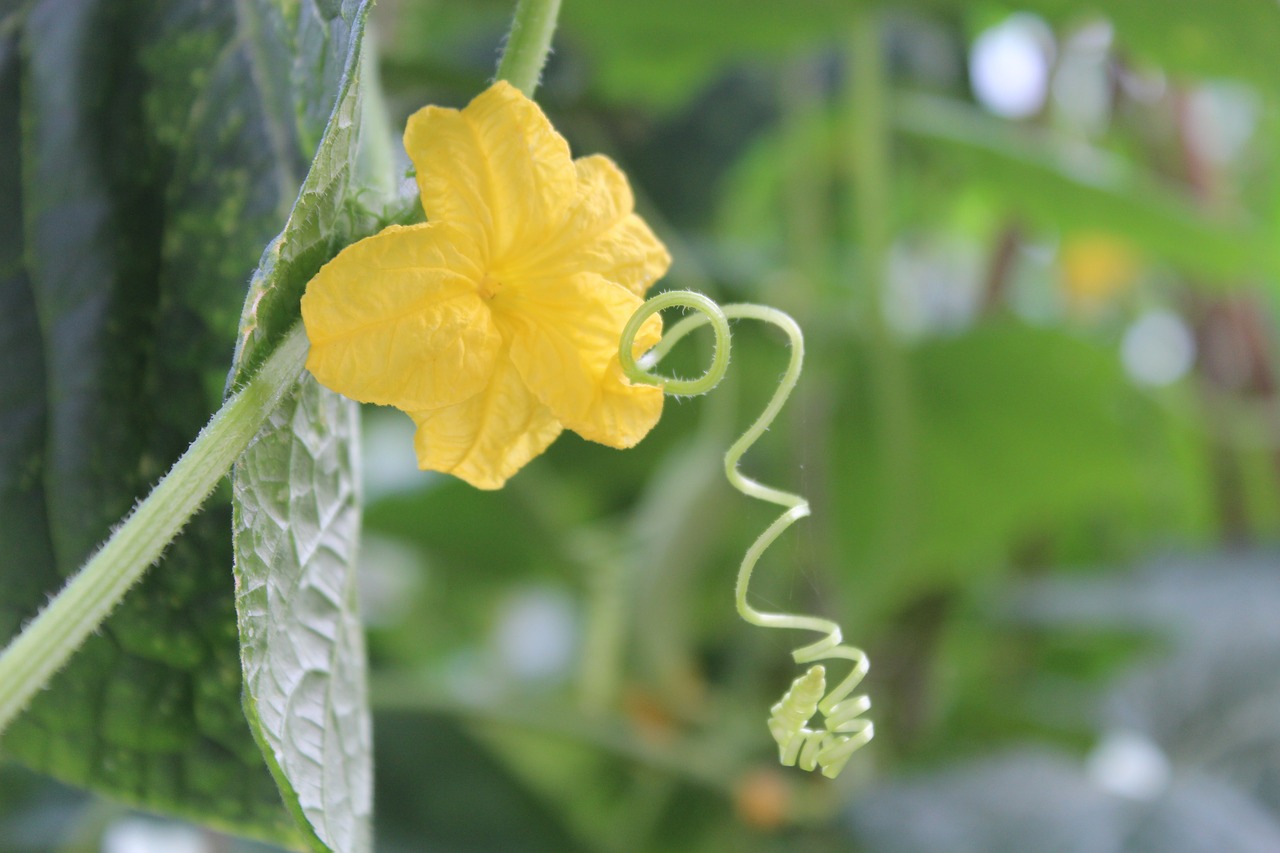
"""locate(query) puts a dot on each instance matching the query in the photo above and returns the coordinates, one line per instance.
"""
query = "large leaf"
(316, 228)
(24, 529)
(155, 147)
(1019, 432)
(297, 517)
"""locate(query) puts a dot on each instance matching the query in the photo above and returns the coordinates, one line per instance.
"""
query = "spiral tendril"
(845, 730)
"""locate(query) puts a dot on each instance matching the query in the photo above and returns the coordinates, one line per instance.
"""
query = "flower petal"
(488, 438)
(626, 412)
(395, 319)
(601, 234)
(564, 335)
(497, 168)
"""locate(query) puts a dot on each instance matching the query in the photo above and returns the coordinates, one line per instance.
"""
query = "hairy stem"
(90, 595)
(528, 44)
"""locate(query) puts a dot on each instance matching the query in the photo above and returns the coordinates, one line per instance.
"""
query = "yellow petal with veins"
(625, 412)
(496, 168)
(564, 335)
(496, 325)
(489, 437)
(601, 234)
(395, 319)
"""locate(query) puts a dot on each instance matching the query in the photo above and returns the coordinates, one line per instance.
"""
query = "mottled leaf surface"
(297, 518)
(24, 530)
(148, 150)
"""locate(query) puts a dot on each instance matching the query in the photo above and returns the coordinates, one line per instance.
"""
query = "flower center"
(489, 287)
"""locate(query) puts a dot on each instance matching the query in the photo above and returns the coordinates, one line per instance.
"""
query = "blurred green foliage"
(1049, 359)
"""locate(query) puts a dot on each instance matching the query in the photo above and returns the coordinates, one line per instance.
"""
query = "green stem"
(806, 213)
(528, 44)
(871, 167)
(90, 595)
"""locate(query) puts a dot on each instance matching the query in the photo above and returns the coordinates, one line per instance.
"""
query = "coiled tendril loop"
(845, 730)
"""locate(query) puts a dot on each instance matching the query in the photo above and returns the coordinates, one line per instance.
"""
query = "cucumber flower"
(496, 323)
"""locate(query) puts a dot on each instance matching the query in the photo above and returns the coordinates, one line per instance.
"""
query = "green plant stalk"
(41, 649)
(52, 637)
(528, 44)
(806, 213)
(869, 140)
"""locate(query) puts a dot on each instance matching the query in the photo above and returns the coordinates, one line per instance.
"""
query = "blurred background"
(1033, 250)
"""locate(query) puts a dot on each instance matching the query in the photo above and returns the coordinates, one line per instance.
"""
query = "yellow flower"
(496, 324)
(1097, 266)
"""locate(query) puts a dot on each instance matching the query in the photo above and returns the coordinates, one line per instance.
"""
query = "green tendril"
(845, 730)
(708, 312)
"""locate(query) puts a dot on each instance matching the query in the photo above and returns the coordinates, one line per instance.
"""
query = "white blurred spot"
(1031, 296)
(390, 580)
(1223, 117)
(469, 675)
(1082, 82)
(1158, 349)
(536, 634)
(387, 456)
(140, 835)
(1009, 66)
(932, 286)
(1147, 85)
(1130, 765)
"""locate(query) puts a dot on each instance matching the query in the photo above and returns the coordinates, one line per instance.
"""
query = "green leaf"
(155, 148)
(297, 518)
(24, 529)
(1020, 432)
(317, 226)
